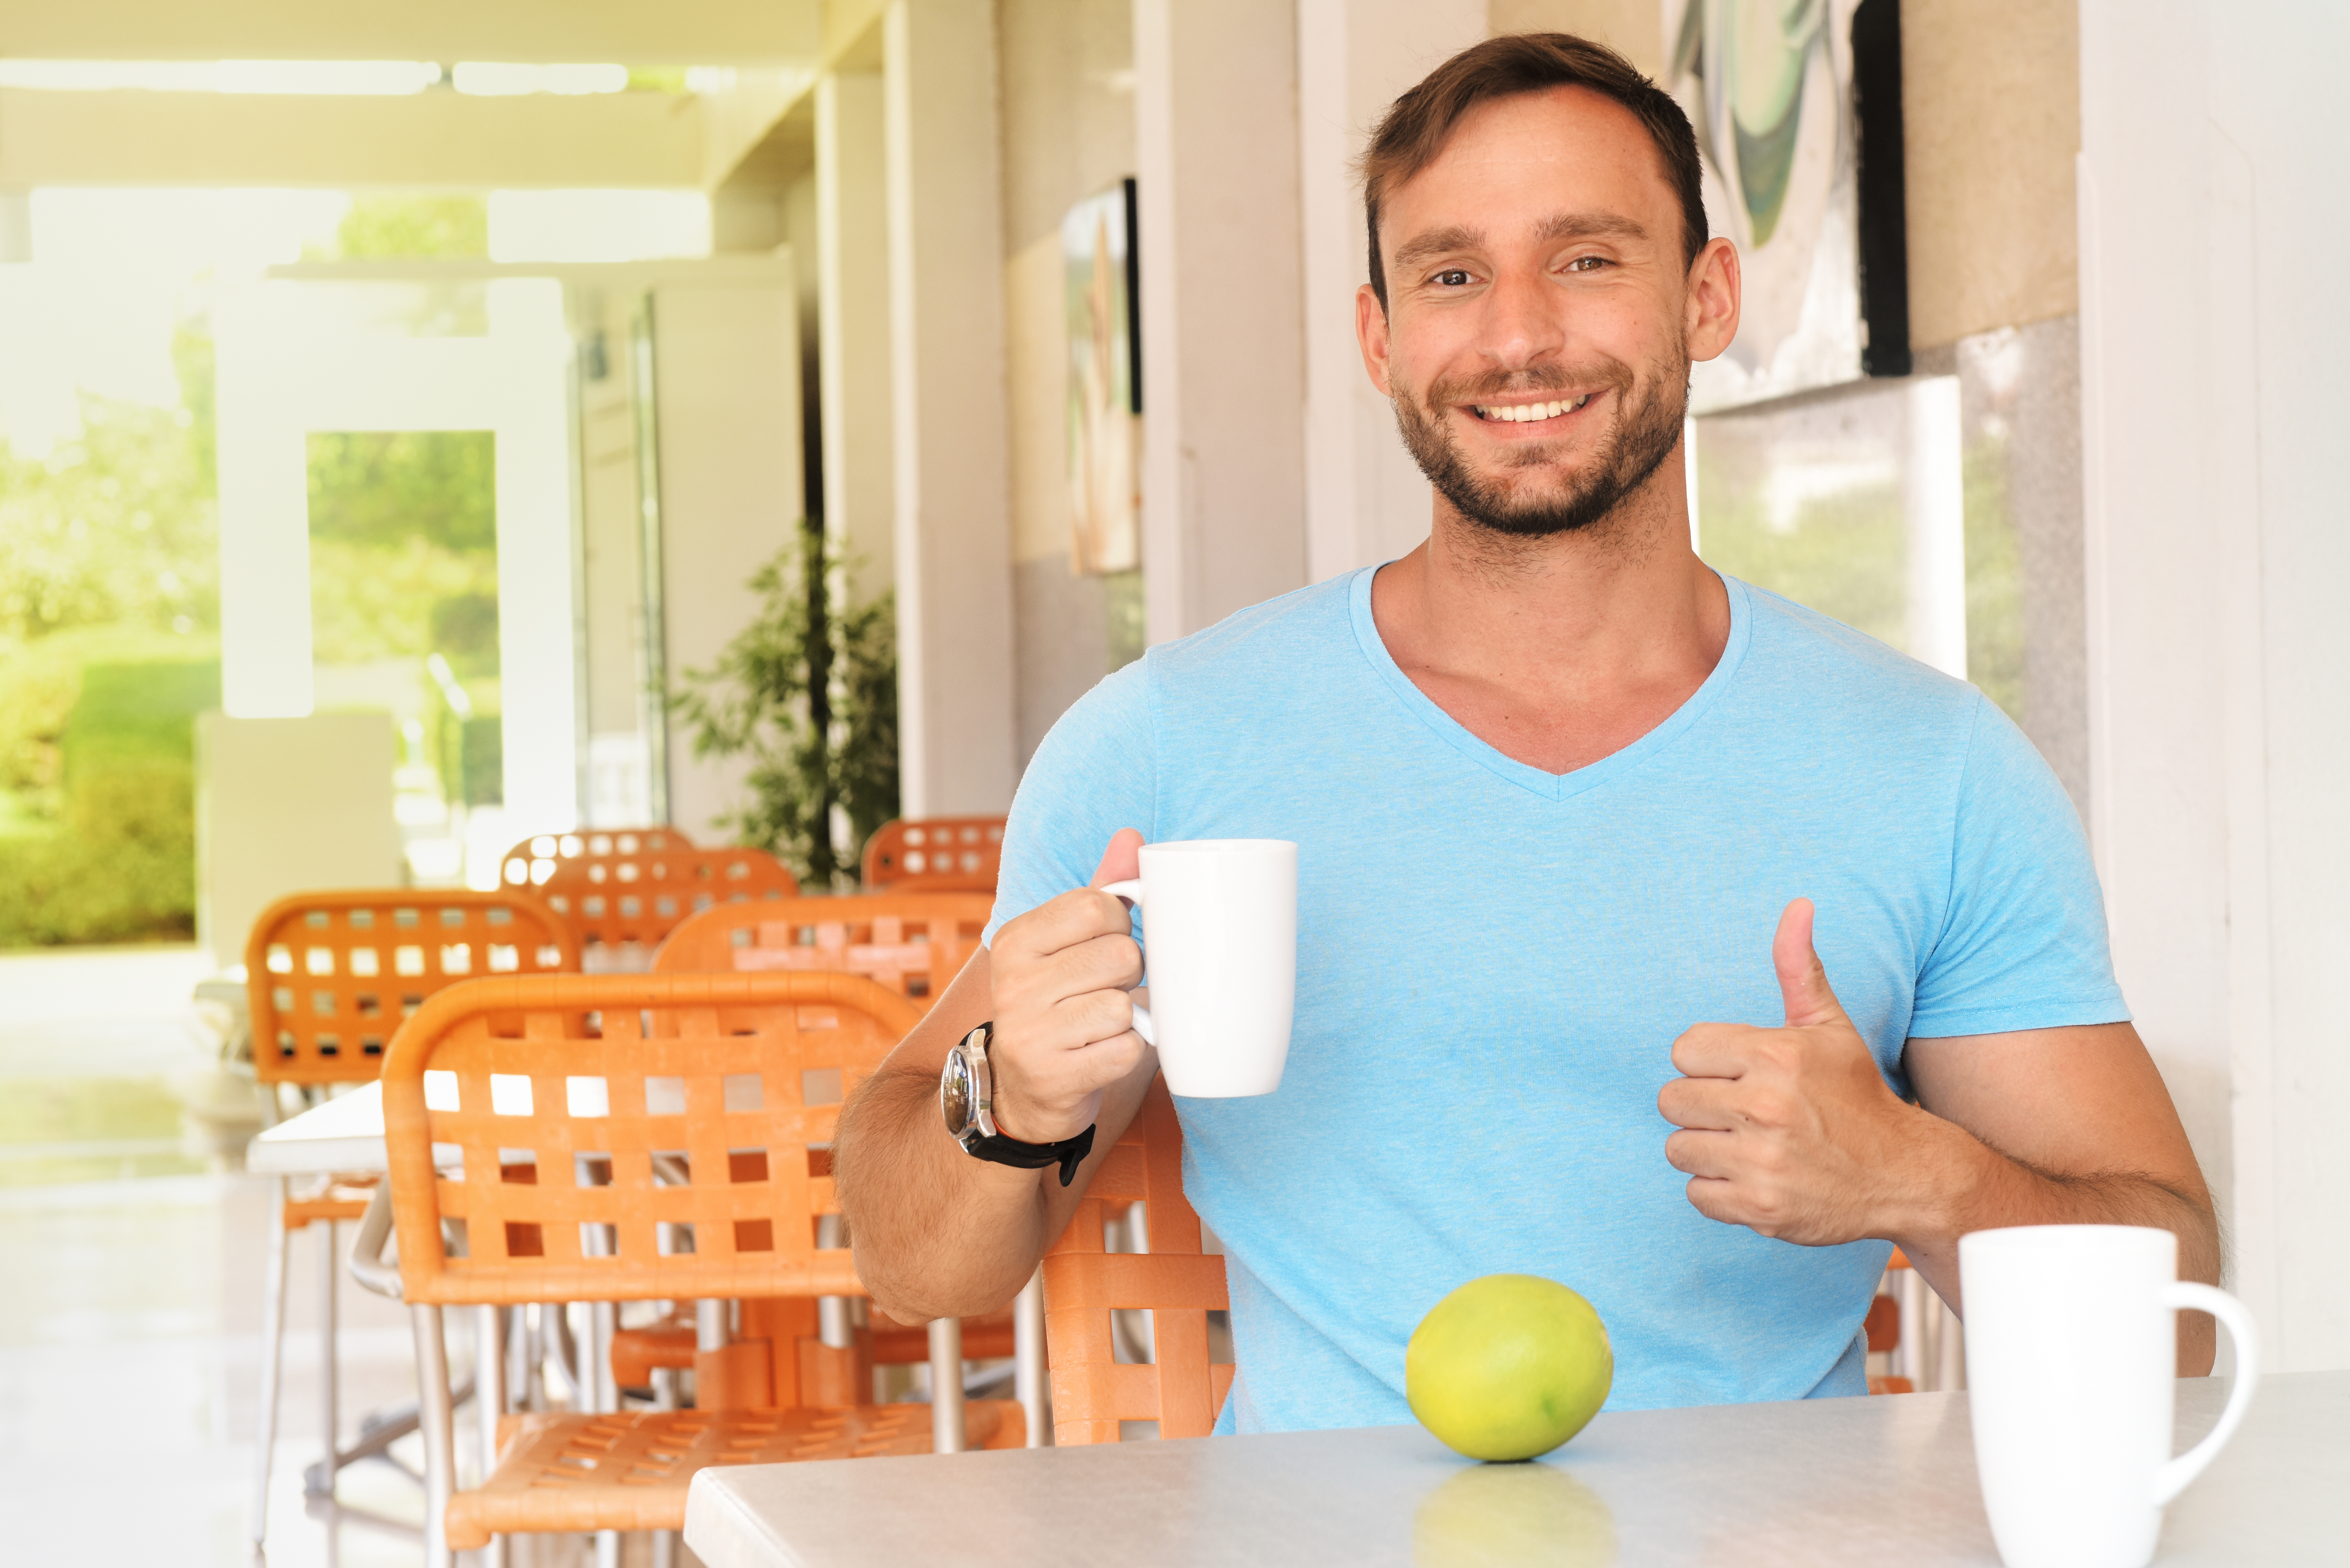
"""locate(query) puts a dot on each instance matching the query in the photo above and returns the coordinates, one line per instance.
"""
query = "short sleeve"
(1095, 773)
(2022, 944)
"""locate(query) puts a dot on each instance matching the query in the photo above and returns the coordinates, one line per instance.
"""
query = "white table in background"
(345, 1133)
(1809, 1484)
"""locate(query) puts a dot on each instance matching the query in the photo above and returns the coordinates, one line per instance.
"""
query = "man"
(1578, 822)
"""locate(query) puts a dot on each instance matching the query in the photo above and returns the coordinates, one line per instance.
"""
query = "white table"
(1817, 1484)
(345, 1133)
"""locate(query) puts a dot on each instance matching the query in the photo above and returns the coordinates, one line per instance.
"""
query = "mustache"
(1601, 373)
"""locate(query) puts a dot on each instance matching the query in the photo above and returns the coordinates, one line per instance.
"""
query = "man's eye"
(1586, 263)
(1452, 278)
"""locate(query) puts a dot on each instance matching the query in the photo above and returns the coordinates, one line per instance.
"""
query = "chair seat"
(630, 1472)
(343, 1197)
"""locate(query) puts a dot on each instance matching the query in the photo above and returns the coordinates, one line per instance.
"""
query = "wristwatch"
(967, 1100)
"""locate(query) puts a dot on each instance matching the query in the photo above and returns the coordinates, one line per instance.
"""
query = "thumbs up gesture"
(1792, 1131)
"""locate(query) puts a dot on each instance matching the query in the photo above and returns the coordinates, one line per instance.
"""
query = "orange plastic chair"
(1884, 1329)
(935, 855)
(531, 862)
(914, 943)
(328, 978)
(1182, 1389)
(622, 899)
(601, 1126)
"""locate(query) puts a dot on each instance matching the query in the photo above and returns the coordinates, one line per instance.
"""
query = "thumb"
(1803, 979)
(1122, 861)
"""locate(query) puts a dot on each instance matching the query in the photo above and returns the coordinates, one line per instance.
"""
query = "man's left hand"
(1793, 1131)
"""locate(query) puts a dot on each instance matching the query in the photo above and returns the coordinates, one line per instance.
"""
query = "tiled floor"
(130, 1311)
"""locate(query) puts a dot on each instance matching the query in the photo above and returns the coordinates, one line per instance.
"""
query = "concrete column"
(853, 327)
(2213, 554)
(951, 465)
(1366, 500)
(1215, 105)
(1934, 506)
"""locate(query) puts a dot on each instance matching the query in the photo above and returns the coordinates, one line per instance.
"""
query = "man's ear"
(1371, 335)
(1710, 302)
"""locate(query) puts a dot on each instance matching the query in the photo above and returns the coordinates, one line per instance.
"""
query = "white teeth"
(1519, 413)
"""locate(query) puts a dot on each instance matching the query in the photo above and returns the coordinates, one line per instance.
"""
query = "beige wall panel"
(1633, 28)
(1991, 118)
(440, 140)
(676, 32)
(1068, 107)
(1036, 362)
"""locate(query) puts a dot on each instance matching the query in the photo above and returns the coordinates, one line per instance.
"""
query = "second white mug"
(1219, 944)
(2071, 1364)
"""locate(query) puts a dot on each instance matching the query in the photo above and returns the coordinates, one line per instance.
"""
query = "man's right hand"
(1063, 1023)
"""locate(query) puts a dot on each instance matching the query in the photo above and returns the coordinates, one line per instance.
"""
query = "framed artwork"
(1768, 85)
(1098, 256)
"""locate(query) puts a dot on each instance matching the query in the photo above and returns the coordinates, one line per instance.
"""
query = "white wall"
(2213, 401)
(1366, 500)
(951, 482)
(726, 356)
(1215, 111)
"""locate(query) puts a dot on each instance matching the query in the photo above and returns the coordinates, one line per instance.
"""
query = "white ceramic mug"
(2072, 1361)
(1220, 941)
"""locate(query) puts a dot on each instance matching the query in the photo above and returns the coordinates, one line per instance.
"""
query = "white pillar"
(1366, 500)
(2215, 551)
(955, 737)
(853, 326)
(1215, 110)
(1934, 507)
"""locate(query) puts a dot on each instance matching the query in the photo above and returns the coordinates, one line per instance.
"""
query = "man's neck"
(1562, 649)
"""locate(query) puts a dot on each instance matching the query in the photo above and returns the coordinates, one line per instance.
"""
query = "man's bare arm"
(936, 1233)
(2061, 1127)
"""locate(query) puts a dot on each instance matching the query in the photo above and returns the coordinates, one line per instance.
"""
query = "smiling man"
(1656, 935)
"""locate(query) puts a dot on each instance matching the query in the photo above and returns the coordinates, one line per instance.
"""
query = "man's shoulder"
(1318, 617)
(1834, 670)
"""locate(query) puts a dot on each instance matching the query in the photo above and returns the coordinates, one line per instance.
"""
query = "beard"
(1647, 424)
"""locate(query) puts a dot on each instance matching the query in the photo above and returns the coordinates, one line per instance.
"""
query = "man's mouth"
(1527, 413)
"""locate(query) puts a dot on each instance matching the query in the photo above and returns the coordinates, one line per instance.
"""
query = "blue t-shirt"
(1495, 961)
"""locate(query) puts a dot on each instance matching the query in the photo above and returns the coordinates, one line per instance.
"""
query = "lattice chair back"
(634, 894)
(532, 862)
(935, 855)
(914, 943)
(619, 1137)
(1093, 1392)
(329, 976)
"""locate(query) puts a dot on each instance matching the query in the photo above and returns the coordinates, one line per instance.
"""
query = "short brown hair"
(1417, 126)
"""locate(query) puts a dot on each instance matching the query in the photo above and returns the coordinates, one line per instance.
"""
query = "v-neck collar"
(1550, 786)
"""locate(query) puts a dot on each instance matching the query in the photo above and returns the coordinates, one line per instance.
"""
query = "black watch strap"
(1068, 1154)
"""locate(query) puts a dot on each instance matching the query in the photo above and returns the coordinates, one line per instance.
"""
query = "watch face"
(955, 1096)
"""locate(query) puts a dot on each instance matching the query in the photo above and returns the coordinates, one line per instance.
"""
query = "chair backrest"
(1179, 1284)
(329, 976)
(911, 942)
(531, 862)
(638, 888)
(935, 855)
(627, 1136)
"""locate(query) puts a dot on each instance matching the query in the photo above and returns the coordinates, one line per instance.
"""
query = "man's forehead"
(1570, 151)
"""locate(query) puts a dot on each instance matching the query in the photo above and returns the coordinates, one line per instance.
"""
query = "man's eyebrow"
(1591, 226)
(1430, 244)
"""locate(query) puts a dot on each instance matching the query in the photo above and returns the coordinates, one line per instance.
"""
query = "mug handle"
(1131, 890)
(2174, 1476)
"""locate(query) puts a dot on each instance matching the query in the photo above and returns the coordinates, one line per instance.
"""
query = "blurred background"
(423, 428)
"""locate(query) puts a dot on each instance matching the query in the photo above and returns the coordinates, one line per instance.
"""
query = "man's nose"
(1522, 326)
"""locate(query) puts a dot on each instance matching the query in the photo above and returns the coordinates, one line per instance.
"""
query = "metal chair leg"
(272, 1348)
(1028, 1359)
(946, 1386)
(489, 1404)
(329, 1411)
(437, 1425)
